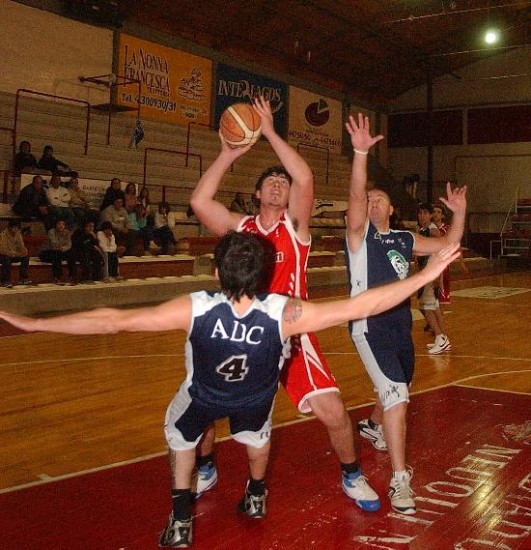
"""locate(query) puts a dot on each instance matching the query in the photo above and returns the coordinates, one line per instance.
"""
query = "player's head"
(439, 213)
(272, 172)
(424, 211)
(239, 259)
(379, 208)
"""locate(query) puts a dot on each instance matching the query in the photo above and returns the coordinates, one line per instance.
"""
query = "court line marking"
(45, 479)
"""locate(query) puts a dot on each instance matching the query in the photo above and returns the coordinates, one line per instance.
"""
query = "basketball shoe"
(441, 344)
(374, 435)
(206, 478)
(401, 494)
(178, 534)
(253, 505)
(358, 489)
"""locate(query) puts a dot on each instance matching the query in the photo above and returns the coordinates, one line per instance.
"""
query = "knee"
(330, 410)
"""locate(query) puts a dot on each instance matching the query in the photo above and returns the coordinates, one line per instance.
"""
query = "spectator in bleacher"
(32, 202)
(80, 204)
(13, 250)
(131, 200)
(139, 224)
(24, 160)
(164, 226)
(59, 199)
(114, 191)
(58, 248)
(88, 252)
(238, 204)
(143, 199)
(110, 251)
(121, 225)
(51, 164)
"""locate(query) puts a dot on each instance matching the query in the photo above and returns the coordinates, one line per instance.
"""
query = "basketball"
(240, 125)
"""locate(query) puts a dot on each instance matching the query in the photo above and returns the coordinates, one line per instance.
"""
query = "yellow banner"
(175, 86)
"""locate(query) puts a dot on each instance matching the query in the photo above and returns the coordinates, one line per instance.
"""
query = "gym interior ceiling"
(373, 50)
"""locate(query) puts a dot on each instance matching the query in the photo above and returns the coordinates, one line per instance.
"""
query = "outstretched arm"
(300, 317)
(210, 212)
(362, 141)
(301, 190)
(172, 315)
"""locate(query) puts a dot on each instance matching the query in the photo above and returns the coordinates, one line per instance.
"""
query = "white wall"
(45, 52)
(492, 171)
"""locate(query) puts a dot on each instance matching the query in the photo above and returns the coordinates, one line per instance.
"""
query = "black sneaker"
(178, 534)
(252, 505)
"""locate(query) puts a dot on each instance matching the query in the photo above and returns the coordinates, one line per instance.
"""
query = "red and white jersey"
(291, 255)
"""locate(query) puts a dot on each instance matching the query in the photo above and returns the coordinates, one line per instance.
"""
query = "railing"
(310, 146)
(173, 152)
(189, 135)
(8, 175)
(53, 96)
(112, 81)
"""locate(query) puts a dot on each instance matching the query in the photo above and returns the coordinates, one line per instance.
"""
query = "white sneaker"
(206, 478)
(430, 346)
(441, 344)
(401, 494)
(374, 435)
(358, 489)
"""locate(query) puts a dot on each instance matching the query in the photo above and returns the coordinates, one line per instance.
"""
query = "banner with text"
(175, 85)
(236, 85)
(314, 120)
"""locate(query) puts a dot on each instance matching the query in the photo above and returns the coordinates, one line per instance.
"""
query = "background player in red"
(286, 199)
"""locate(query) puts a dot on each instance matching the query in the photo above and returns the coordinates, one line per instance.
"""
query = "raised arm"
(300, 317)
(362, 141)
(172, 315)
(302, 186)
(213, 214)
(456, 202)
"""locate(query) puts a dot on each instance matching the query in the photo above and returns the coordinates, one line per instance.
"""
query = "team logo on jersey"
(399, 263)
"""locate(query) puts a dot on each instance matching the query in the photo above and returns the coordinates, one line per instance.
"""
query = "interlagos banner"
(175, 85)
(314, 120)
(234, 85)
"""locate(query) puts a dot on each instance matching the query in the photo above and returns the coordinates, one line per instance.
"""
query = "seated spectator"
(113, 192)
(59, 199)
(139, 223)
(53, 165)
(164, 225)
(24, 160)
(238, 204)
(110, 251)
(88, 252)
(13, 250)
(32, 202)
(121, 225)
(56, 249)
(80, 204)
(130, 197)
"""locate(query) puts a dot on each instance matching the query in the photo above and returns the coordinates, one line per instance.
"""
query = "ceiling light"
(492, 36)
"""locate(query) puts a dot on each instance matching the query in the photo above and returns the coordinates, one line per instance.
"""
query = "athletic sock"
(256, 487)
(349, 468)
(181, 502)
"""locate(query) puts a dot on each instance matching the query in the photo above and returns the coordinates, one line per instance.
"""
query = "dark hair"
(441, 206)
(239, 258)
(47, 148)
(14, 223)
(105, 225)
(277, 169)
(425, 206)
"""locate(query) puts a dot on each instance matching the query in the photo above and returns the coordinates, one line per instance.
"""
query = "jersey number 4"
(234, 369)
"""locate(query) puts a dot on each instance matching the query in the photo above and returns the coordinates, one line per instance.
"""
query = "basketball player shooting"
(286, 195)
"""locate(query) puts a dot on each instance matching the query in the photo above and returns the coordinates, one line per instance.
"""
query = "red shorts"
(306, 372)
(444, 290)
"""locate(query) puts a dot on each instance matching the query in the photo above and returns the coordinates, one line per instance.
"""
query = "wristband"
(360, 152)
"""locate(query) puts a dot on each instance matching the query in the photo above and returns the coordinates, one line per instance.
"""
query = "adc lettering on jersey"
(238, 333)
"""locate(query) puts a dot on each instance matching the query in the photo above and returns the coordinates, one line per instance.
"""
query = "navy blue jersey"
(382, 258)
(231, 360)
